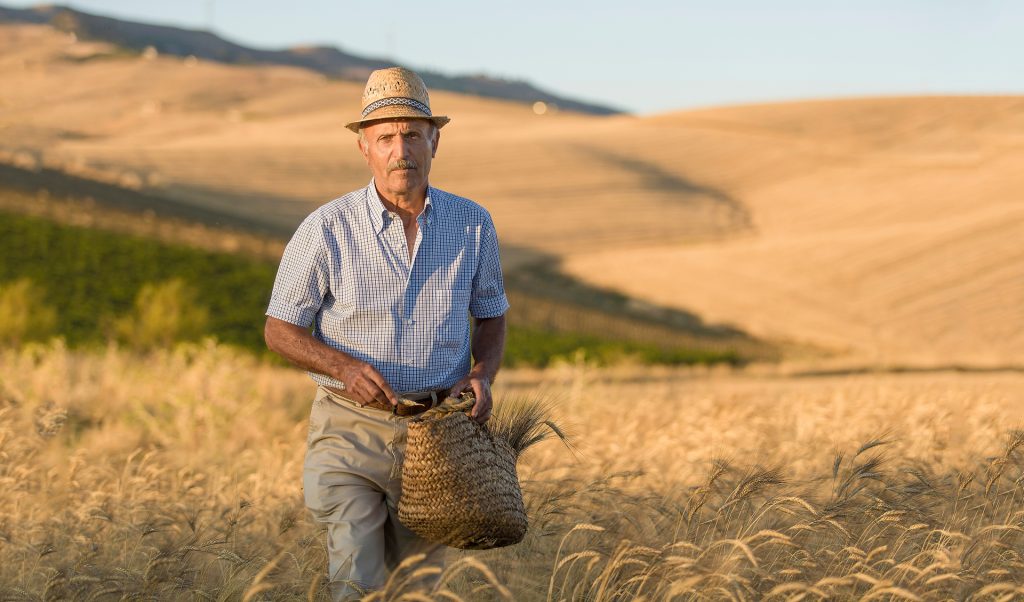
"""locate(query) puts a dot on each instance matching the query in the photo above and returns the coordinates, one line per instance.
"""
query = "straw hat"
(395, 92)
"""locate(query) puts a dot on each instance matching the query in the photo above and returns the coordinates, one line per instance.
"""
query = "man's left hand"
(481, 388)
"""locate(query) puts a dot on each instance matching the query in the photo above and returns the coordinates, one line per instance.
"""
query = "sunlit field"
(176, 475)
(144, 203)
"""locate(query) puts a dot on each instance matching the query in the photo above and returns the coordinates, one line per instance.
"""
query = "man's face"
(399, 153)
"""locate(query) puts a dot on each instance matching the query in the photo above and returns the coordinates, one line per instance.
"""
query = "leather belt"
(423, 401)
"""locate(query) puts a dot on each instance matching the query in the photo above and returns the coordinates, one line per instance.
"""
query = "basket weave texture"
(459, 484)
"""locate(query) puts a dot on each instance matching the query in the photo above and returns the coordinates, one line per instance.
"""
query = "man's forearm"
(362, 382)
(488, 346)
(298, 346)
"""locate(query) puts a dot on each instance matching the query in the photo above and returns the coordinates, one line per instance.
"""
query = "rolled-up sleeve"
(488, 299)
(302, 279)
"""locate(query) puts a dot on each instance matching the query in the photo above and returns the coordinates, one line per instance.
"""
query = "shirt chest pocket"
(369, 302)
(449, 317)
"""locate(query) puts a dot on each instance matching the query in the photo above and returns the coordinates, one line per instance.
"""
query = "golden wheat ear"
(523, 422)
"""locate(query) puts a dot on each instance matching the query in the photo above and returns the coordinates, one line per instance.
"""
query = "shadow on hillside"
(542, 296)
(655, 177)
(58, 184)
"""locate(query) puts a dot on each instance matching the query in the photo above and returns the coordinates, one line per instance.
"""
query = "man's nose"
(402, 147)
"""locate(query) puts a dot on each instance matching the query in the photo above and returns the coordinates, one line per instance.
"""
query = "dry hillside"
(270, 141)
(885, 230)
(888, 229)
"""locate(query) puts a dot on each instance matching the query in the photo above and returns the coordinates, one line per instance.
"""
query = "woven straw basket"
(459, 483)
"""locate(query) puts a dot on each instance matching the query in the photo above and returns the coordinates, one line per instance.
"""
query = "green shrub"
(165, 313)
(93, 278)
(25, 313)
(99, 285)
(534, 347)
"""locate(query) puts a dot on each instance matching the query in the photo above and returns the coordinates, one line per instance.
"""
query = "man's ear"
(435, 142)
(362, 146)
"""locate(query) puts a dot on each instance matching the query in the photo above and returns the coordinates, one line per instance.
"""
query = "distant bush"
(100, 285)
(165, 313)
(93, 279)
(534, 347)
(25, 313)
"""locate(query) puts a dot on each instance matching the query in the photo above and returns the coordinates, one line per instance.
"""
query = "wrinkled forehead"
(398, 125)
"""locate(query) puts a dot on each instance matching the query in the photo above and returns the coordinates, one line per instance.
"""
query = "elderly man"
(387, 276)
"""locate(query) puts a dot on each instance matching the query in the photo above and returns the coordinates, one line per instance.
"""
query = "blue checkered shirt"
(346, 272)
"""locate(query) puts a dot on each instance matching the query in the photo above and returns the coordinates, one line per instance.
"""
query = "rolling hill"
(884, 231)
(269, 142)
(889, 230)
(133, 37)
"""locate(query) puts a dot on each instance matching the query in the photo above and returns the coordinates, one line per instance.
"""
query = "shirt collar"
(376, 208)
(380, 216)
(428, 210)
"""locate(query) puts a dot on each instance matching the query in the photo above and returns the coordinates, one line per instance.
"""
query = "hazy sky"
(643, 55)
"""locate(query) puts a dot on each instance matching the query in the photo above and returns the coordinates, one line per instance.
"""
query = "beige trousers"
(352, 483)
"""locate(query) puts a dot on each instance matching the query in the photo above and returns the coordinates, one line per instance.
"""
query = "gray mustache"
(401, 164)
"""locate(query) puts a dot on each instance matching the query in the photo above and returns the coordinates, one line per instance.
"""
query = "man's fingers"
(458, 388)
(389, 394)
(479, 399)
(481, 412)
(366, 391)
(379, 387)
(482, 393)
(482, 408)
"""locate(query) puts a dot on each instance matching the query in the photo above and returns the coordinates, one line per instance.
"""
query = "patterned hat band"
(387, 102)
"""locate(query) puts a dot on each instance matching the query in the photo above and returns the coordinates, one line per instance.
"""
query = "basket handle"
(450, 405)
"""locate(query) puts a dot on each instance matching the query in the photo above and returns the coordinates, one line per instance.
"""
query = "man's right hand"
(364, 384)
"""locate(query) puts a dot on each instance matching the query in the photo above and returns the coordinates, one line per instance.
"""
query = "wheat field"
(177, 474)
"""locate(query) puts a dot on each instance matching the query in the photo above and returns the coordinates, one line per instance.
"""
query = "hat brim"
(397, 112)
